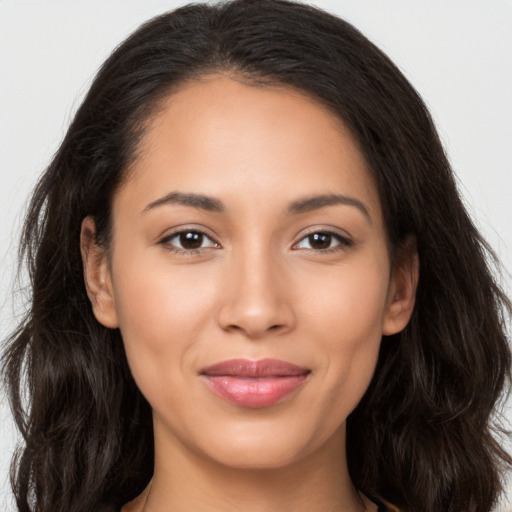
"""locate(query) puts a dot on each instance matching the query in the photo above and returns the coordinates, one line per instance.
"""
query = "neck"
(184, 480)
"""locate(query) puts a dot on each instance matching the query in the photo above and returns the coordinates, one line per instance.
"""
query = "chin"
(264, 456)
(269, 448)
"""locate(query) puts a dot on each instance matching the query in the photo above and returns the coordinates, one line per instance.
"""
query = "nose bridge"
(255, 299)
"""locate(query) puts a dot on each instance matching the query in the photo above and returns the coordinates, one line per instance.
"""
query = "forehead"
(221, 137)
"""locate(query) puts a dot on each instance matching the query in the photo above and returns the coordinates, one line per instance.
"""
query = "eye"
(323, 241)
(188, 241)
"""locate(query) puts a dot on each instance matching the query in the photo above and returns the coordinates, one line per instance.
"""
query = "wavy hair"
(424, 435)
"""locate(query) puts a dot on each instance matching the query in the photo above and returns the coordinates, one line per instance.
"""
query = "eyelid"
(178, 230)
(345, 240)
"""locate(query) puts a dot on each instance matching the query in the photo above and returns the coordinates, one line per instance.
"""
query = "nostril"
(255, 316)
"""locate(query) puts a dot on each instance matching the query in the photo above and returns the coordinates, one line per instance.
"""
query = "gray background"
(457, 53)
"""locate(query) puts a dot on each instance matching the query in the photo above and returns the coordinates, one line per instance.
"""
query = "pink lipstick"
(254, 384)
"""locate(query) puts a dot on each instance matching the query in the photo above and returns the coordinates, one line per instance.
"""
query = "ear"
(97, 275)
(402, 290)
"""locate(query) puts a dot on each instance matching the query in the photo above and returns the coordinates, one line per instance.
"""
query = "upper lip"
(246, 368)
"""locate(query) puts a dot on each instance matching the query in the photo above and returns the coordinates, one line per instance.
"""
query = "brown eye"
(188, 241)
(323, 241)
(320, 240)
(191, 240)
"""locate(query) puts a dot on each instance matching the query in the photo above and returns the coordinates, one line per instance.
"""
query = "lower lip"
(254, 392)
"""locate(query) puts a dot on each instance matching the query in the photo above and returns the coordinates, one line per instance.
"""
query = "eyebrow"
(203, 202)
(316, 202)
(305, 205)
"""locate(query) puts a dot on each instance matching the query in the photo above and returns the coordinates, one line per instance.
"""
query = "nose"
(256, 297)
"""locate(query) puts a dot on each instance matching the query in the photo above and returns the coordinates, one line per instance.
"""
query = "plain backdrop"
(457, 53)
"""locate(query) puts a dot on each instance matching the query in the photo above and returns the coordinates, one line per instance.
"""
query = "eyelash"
(343, 242)
(166, 241)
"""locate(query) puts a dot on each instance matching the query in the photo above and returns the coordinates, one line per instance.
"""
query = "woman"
(250, 284)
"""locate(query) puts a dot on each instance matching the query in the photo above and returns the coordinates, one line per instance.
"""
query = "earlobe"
(402, 294)
(98, 282)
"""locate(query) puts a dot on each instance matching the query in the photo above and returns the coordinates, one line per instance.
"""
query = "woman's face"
(249, 274)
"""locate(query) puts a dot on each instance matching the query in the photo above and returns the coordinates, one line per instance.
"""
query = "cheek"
(161, 312)
(346, 318)
(349, 305)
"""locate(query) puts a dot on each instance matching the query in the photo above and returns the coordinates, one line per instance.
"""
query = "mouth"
(254, 384)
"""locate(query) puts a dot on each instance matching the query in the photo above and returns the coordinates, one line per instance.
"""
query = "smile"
(254, 384)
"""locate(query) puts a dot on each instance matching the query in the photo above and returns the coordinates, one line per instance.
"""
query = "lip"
(254, 384)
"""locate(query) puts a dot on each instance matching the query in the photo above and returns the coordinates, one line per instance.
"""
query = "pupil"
(191, 240)
(320, 240)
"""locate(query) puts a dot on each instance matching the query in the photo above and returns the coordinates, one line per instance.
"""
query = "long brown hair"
(423, 437)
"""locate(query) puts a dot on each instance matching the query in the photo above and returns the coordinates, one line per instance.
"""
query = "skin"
(257, 287)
